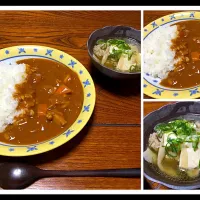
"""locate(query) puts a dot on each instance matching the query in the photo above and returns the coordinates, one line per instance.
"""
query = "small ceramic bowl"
(132, 35)
(186, 110)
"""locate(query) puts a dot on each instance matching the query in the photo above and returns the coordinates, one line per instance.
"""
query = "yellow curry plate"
(151, 86)
(12, 54)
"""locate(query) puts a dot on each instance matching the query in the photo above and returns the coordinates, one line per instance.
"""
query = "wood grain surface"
(111, 139)
(152, 106)
(148, 108)
(152, 15)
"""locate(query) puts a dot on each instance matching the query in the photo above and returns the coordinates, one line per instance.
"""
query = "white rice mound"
(10, 75)
(158, 56)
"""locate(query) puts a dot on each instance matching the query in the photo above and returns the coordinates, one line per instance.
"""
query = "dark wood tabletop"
(152, 15)
(111, 139)
(148, 108)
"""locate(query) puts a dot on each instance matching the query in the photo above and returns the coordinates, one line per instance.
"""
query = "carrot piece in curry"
(42, 109)
(195, 56)
(63, 89)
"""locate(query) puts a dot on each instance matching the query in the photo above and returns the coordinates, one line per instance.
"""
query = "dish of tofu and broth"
(117, 54)
(174, 149)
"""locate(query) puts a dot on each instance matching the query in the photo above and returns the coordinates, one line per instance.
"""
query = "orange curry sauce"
(187, 48)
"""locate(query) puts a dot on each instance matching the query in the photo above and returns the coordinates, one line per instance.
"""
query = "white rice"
(158, 56)
(10, 75)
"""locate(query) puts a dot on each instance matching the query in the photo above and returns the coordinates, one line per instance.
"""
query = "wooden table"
(148, 108)
(111, 139)
(150, 16)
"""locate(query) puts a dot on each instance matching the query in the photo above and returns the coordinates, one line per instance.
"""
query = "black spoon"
(19, 176)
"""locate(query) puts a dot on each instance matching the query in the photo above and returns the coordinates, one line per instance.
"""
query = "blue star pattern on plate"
(86, 108)
(88, 94)
(158, 92)
(49, 52)
(147, 74)
(162, 20)
(172, 17)
(154, 24)
(11, 149)
(192, 14)
(155, 81)
(61, 56)
(68, 132)
(72, 63)
(31, 149)
(175, 94)
(145, 30)
(79, 121)
(21, 50)
(194, 91)
(7, 52)
(81, 72)
(86, 83)
(144, 85)
(35, 50)
(52, 142)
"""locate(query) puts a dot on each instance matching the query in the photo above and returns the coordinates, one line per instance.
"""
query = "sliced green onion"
(130, 53)
(101, 41)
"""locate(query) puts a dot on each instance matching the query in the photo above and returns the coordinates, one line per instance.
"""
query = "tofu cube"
(189, 159)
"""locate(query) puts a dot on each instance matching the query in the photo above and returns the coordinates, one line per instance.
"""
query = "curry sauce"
(51, 98)
(187, 51)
